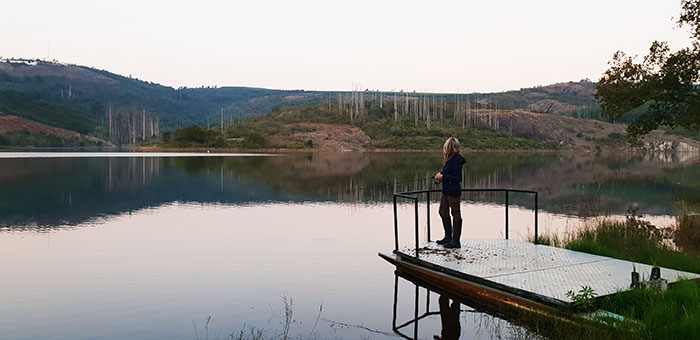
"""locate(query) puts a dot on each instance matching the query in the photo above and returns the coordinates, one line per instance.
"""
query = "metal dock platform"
(538, 273)
(509, 272)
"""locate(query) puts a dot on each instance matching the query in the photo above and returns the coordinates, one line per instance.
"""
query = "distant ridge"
(80, 99)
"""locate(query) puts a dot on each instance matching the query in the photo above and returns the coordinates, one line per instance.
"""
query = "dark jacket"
(452, 176)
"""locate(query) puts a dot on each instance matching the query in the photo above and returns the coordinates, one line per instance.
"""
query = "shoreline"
(315, 150)
(155, 149)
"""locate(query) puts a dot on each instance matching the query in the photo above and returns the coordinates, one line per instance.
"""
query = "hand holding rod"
(437, 178)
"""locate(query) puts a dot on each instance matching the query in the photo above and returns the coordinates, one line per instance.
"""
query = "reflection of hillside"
(72, 190)
(9, 171)
(568, 184)
(319, 174)
(78, 189)
(301, 173)
(589, 185)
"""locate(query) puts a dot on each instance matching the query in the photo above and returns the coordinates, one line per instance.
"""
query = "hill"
(87, 100)
(125, 110)
(335, 128)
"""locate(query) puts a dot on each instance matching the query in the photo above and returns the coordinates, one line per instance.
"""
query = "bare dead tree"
(143, 123)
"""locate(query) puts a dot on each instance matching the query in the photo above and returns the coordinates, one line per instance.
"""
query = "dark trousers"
(450, 203)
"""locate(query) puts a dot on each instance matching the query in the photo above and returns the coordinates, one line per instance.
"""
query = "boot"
(447, 225)
(456, 234)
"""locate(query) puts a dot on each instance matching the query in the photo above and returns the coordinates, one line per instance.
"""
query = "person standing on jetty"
(451, 177)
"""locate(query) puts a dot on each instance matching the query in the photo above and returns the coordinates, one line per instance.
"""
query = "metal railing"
(413, 195)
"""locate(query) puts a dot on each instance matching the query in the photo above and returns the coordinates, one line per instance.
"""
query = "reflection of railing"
(416, 317)
(413, 195)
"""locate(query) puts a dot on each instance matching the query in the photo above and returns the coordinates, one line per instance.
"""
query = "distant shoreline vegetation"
(318, 127)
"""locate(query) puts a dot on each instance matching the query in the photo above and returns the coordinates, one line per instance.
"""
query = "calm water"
(150, 246)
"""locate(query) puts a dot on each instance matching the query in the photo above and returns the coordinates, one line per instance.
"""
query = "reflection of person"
(451, 176)
(449, 317)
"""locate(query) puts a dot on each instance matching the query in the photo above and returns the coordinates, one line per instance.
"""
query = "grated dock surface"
(539, 269)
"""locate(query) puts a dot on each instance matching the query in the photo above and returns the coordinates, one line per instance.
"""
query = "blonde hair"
(450, 148)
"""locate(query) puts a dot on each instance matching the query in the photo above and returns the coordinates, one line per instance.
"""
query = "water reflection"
(46, 192)
(449, 317)
(183, 238)
(416, 316)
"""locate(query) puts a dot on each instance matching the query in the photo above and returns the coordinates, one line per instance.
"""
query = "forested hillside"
(125, 110)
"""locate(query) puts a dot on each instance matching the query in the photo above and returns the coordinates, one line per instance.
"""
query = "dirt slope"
(10, 124)
(331, 137)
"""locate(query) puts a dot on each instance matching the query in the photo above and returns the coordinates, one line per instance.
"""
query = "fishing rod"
(435, 182)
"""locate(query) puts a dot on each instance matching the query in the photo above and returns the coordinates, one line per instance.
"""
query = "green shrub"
(254, 140)
(194, 136)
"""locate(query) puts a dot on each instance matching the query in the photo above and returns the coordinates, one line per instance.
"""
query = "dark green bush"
(254, 140)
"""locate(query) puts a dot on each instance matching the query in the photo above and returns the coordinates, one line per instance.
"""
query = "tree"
(664, 85)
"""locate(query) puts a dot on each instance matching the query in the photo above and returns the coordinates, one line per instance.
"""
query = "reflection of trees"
(569, 184)
(581, 185)
(58, 191)
(130, 173)
(70, 190)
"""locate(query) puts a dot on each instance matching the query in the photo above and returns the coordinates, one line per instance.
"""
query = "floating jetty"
(520, 273)
(513, 273)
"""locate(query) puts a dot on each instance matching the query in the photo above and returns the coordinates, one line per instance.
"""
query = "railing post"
(427, 204)
(536, 207)
(416, 205)
(415, 316)
(396, 227)
(427, 300)
(506, 214)
(396, 295)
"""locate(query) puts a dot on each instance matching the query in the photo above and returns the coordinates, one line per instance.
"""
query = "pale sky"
(436, 46)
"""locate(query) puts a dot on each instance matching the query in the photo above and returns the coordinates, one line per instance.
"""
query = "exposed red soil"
(330, 137)
(10, 124)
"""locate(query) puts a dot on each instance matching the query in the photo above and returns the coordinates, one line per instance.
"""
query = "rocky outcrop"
(669, 146)
(551, 106)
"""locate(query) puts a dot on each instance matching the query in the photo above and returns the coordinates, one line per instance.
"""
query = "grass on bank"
(633, 240)
(673, 314)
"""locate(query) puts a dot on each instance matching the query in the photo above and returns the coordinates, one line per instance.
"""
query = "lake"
(202, 246)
